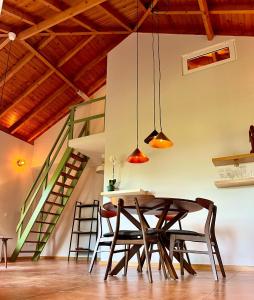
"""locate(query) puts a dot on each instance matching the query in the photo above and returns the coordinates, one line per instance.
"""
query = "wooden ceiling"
(62, 45)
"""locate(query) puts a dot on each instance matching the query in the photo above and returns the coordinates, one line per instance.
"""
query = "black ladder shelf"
(77, 230)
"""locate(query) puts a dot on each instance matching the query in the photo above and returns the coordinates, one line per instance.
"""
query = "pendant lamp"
(161, 140)
(137, 156)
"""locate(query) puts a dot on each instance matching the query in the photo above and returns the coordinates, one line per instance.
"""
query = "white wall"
(206, 114)
(89, 186)
(14, 183)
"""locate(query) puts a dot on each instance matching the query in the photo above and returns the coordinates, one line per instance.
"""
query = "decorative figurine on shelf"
(111, 183)
(251, 138)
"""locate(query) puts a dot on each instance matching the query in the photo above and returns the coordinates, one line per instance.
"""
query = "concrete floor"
(56, 279)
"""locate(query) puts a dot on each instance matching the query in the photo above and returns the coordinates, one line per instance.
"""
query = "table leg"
(133, 250)
(5, 252)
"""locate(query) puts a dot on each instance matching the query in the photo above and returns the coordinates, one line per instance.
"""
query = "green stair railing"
(49, 174)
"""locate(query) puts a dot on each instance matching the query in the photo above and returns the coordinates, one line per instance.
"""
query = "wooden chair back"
(106, 214)
(211, 216)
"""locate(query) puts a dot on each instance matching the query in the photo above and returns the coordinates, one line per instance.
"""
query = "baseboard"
(198, 267)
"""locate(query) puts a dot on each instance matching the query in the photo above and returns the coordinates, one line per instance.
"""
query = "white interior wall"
(14, 183)
(207, 114)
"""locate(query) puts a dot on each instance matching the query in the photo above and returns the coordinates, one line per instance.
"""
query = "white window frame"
(227, 44)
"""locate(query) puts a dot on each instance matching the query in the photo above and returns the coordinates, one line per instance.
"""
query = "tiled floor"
(56, 279)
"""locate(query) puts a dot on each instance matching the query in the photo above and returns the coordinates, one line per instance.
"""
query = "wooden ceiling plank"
(22, 62)
(3, 43)
(178, 12)
(75, 50)
(145, 15)
(206, 19)
(48, 124)
(4, 28)
(47, 63)
(21, 16)
(37, 109)
(97, 85)
(59, 17)
(54, 6)
(115, 15)
(29, 90)
(231, 12)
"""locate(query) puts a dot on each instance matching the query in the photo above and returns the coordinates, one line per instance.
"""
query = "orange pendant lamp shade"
(161, 141)
(137, 157)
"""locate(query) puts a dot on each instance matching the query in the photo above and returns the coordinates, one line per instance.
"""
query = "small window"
(209, 57)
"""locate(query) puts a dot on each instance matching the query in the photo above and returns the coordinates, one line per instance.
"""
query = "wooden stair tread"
(69, 176)
(44, 222)
(64, 185)
(54, 203)
(71, 166)
(58, 194)
(35, 242)
(77, 157)
(49, 213)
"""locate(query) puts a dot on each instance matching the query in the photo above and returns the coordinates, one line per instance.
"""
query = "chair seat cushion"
(126, 234)
(184, 232)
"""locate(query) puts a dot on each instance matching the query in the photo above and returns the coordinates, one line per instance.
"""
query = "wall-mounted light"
(21, 162)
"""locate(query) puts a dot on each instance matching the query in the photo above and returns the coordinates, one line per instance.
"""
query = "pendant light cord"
(159, 69)
(137, 72)
(5, 75)
(154, 90)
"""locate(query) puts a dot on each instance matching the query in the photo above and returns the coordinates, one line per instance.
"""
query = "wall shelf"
(233, 159)
(234, 182)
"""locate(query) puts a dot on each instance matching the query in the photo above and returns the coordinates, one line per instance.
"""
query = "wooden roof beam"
(59, 17)
(21, 16)
(211, 12)
(4, 28)
(55, 7)
(145, 15)
(3, 43)
(115, 15)
(81, 33)
(22, 62)
(206, 19)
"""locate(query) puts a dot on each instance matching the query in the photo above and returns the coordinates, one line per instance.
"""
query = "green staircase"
(52, 188)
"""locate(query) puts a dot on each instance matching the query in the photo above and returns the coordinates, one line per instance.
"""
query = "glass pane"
(208, 58)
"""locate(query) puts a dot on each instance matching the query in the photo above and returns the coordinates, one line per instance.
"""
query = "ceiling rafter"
(114, 14)
(206, 19)
(21, 16)
(80, 33)
(59, 17)
(23, 61)
(49, 64)
(37, 83)
(146, 15)
(213, 11)
(3, 43)
(55, 7)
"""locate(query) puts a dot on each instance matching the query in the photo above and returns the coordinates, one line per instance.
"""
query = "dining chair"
(105, 239)
(177, 238)
(146, 237)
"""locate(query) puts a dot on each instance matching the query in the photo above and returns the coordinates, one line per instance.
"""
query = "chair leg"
(127, 249)
(212, 261)
(139, 269)
(181, 243)
(5, 253)
(217, 251)
(171, 246)
(94, 255)
(147, 257)
(162, 265)
(112, 249)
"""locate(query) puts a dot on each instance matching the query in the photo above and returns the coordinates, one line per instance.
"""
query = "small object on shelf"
(251, 138)
(111, 185)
